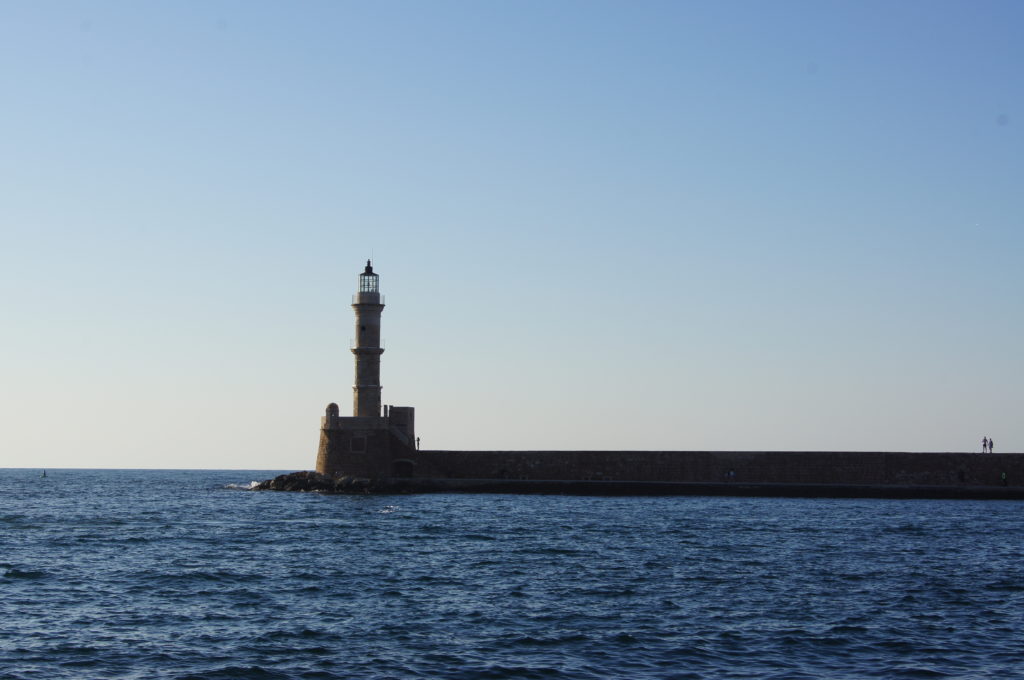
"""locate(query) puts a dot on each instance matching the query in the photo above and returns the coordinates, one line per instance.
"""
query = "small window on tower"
(362, 328)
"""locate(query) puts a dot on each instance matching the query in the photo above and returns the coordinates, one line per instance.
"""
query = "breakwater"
(391, 465)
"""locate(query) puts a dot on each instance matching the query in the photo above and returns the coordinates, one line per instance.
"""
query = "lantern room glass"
(368, 280)
(368, 283)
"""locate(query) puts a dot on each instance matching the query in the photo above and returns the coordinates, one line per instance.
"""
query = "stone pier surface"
(396, 468)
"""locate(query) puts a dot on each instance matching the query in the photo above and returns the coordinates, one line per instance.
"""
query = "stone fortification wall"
(381, 455)
(365, 453)
(749, 467)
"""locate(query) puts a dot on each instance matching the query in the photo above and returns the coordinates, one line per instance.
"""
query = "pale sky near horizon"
(598, 225)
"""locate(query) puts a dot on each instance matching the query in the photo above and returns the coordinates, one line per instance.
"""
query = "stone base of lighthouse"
(367, 447)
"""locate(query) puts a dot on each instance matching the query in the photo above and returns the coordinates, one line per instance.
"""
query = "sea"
(189, 575)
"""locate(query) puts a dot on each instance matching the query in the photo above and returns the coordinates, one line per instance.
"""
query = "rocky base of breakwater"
(319, 483)
(314, 481)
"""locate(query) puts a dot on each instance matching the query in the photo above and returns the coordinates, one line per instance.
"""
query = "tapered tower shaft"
(368, 304)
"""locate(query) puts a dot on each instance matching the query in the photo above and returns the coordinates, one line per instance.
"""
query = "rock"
(314, 481)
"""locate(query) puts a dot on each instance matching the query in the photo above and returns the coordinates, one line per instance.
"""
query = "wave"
(26, 574)
(247, 672)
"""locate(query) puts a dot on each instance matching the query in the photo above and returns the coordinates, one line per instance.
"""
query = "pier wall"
(381, 455)
(746, 467)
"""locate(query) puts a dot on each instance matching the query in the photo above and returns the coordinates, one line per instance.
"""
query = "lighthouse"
(368, 304)
(373, 442)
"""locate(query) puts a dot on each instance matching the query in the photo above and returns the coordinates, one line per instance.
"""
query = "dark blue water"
(176, 574)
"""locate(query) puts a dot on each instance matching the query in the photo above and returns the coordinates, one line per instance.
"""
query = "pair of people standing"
(987, 445)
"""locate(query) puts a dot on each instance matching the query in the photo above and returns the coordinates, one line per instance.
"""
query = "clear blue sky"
(678, 225)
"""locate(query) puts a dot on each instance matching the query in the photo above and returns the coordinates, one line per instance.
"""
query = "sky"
(598, 225)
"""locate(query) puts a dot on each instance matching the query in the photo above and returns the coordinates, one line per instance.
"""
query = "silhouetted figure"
(991, 445)
(984, 444)
(417, 443)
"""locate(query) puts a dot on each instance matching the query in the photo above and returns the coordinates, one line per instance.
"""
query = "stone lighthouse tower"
(368, 304)
(374, 442)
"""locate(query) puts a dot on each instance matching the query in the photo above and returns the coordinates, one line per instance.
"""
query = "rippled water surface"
(184, 574)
